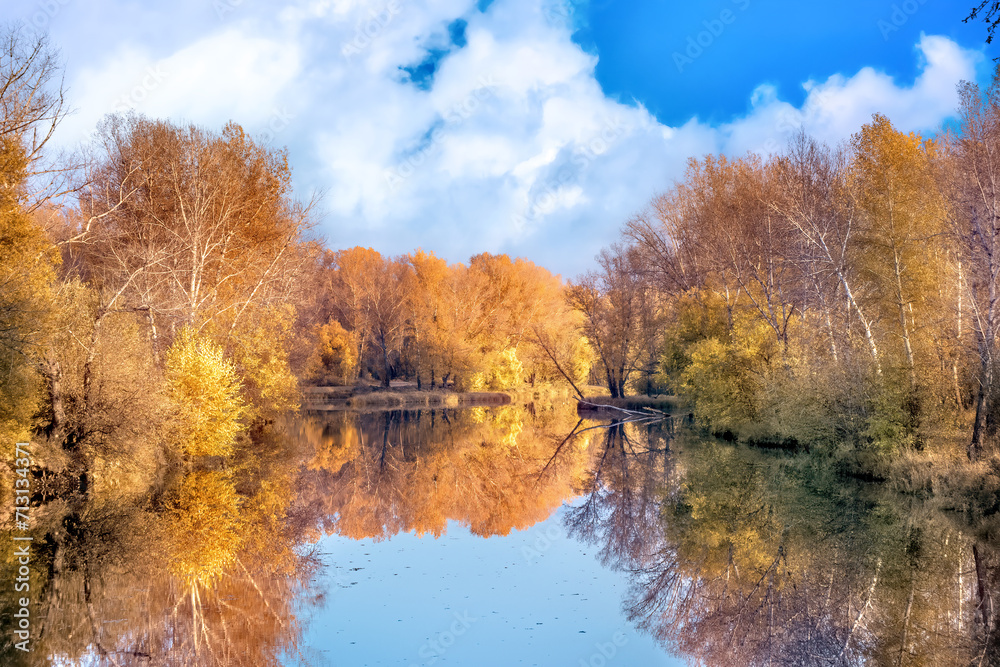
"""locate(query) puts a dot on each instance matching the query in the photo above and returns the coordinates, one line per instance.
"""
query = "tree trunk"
(53, 376)
(981, 428)
(983, 591)
(386, 369)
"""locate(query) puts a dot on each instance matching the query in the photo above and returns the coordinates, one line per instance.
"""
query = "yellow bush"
(504, 371)
(725, 379)
(205, 392)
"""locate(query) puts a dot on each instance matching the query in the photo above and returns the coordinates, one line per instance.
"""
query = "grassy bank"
(363, 398)
(405, 395)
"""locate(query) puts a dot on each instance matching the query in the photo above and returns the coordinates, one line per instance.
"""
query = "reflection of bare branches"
(620, 507)
(558, 449)
(749, 569)
(864, 610)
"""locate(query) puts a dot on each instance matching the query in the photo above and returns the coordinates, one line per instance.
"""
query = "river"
(505, 535)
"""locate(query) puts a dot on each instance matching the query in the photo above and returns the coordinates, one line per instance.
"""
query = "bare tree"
(991, 17)
(32, 105)
(977, 218)
(621, 315)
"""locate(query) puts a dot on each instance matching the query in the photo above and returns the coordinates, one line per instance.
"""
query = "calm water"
(454, 543)
(511, 535)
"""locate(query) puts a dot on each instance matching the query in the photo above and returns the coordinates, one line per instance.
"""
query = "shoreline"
(361, 398)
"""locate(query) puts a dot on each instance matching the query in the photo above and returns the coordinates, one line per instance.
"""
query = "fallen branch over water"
(602, 406)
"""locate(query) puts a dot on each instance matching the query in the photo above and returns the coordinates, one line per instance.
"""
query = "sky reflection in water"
(495, 601)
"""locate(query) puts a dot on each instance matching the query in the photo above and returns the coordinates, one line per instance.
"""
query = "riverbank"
(404, 395)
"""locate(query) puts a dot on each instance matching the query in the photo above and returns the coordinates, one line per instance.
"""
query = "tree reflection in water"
(377, 474)
(206, 571)
(743, 557)
(736, 556)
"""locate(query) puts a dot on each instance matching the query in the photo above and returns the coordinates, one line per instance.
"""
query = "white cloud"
(838, 107)
(228, 75)
(514, 148)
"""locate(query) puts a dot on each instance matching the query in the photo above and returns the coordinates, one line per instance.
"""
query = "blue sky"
(778, 42)
(531, 127)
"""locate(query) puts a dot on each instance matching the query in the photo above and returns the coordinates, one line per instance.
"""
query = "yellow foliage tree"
(335, 360)
(582, 359)
(725, 379)
(259, 352)
(900, 251)
(205, 390)
(504, 371)
(27, 259)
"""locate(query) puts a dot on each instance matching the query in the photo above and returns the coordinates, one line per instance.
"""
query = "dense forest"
(163, 293)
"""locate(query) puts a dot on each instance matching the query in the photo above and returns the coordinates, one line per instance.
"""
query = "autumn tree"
(900, 226)
(620, 316)
(27, 274)
(188, 227)
(370, 294)
(204, 388)
(31, 106)
(511, 303)
(193, 226)
(816, 205)
(432, 328)
(976, 206)
(335, 359)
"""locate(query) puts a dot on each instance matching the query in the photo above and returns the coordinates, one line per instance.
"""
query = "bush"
(205, 391)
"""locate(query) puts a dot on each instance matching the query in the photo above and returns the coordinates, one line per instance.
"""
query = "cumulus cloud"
(229, 75)
(836, 108)
(434, 124)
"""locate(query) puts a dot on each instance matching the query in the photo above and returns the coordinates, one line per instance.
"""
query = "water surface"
(507, 535)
